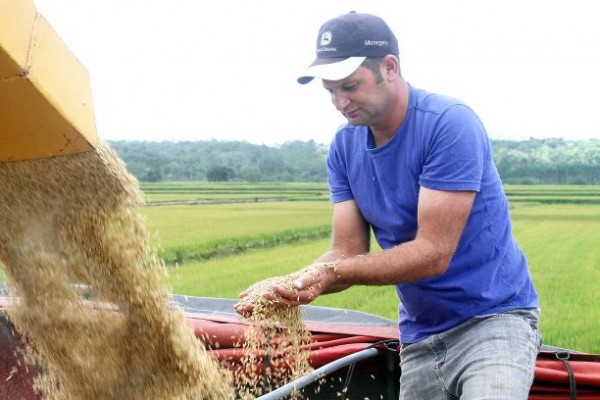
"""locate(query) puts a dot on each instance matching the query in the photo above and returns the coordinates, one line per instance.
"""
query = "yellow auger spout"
(46, 107)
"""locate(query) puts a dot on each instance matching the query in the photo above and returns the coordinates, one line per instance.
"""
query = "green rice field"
(218, 248)
(218, 239)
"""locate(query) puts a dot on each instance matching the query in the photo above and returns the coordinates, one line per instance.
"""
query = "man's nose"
(340, 101)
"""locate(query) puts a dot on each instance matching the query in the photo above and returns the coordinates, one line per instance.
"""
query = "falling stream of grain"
(71, 222)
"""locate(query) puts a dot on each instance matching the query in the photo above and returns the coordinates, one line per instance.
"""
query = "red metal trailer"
(354, 355)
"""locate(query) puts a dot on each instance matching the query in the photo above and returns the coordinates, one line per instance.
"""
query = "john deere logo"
(325, 38)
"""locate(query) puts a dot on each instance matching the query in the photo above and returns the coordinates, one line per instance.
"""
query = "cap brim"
(331, 69)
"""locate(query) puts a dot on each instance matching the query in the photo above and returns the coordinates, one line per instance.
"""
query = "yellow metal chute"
(46, 107)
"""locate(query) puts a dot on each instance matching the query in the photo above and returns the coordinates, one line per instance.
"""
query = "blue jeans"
(487, 357)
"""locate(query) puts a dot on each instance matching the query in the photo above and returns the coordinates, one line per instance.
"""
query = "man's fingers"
(243, 310)
(296, 297)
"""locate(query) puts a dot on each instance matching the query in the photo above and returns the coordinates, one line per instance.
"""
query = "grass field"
(194, 191)
(557, 226)
(561, 243)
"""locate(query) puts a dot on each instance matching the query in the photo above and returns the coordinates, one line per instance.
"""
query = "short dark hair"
(373, 64)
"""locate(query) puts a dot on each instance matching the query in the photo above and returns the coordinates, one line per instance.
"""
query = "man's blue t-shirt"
(441, 145)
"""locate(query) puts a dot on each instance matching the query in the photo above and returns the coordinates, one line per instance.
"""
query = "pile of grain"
(71, 222)
(275, 343)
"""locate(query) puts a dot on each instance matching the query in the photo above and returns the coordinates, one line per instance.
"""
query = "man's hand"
(307, 286)
(291, 290)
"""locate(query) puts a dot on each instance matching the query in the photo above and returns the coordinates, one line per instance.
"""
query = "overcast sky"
(226, 69)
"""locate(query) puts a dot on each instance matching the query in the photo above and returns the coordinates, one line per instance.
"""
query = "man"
(417, 168)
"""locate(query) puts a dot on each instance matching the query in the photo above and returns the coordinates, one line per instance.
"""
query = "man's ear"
(390, 66)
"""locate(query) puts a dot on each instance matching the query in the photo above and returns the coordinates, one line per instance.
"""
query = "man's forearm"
(411, 261)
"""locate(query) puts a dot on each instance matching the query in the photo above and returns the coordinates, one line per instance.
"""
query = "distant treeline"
(532, 161)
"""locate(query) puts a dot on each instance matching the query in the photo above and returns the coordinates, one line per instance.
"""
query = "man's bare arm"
(442, 216)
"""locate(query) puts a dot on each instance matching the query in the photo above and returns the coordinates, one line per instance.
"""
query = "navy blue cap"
(345, 42)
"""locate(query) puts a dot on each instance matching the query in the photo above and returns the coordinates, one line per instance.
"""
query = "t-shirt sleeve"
(457, 152)
(337, 177)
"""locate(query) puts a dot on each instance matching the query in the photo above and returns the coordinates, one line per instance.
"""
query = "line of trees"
(548, 161)
(295, 161)
(532, 161)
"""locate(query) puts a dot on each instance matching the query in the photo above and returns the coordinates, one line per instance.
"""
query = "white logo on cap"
(325, 38)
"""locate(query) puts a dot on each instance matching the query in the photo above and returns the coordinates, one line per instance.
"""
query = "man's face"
(359, 97)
